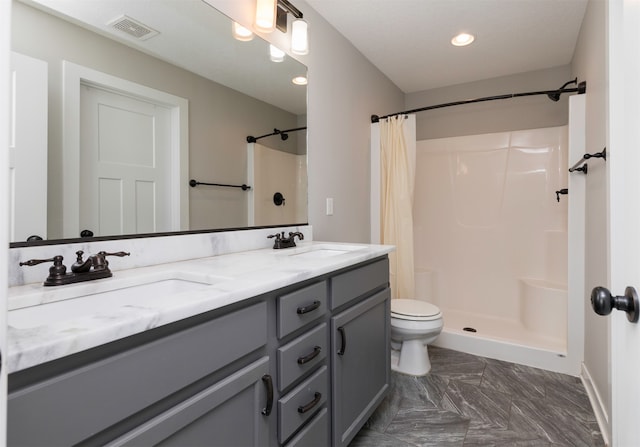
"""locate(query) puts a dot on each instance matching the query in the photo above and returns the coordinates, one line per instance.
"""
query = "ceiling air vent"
(133, 28)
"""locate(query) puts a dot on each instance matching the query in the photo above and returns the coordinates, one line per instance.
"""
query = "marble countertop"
(47, 323)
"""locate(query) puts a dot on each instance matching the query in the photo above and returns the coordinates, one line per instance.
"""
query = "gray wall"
(493, 116)
(590, 62)
(219, 118)
(345, 89)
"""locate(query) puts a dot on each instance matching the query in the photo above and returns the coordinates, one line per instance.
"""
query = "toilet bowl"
(414, 324)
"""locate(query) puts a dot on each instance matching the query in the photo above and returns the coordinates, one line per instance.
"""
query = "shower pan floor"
(500, 330)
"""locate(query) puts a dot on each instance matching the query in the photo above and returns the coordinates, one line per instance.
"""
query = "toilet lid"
(414, 309)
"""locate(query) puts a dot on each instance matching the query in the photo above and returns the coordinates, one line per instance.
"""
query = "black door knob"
(603, 302)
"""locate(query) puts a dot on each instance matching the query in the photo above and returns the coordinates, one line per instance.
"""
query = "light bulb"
(266, 15)
(299, 37)
(276, 54)
(241, 33)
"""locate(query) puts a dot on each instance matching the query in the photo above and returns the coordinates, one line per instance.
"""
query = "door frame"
(74, 76)
(5, 138)
(623, 135)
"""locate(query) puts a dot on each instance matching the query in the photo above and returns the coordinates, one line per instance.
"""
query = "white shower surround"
(491, 243)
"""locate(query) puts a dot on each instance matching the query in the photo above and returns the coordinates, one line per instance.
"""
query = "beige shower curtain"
(397, 166)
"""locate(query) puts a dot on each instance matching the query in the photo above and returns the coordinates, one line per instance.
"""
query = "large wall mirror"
(132, 87)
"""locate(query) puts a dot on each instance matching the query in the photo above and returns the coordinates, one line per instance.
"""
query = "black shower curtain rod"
(282, 133)
(554, 95)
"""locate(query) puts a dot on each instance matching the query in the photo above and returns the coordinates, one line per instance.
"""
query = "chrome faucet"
(94, 267)
(285, 242)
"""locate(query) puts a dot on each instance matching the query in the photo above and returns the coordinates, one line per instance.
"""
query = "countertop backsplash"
(145, 251)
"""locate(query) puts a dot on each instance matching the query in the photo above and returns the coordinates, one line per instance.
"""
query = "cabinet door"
(229, 413)
(361, 364)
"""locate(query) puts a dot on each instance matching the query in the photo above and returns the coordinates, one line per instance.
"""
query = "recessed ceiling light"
(299, 80)
(462, 39)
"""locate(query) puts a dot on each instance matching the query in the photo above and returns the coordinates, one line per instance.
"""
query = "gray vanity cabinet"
(360, 343)
(301, 366)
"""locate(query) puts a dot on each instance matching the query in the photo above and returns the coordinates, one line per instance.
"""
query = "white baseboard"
(602, 416)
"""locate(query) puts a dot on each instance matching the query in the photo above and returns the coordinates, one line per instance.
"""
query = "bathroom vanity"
(292, 350)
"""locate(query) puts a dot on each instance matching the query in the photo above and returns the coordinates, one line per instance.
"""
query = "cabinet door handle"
(309, 308)
(309, 357)
(266, 379)
(343, 342)
(304, 408)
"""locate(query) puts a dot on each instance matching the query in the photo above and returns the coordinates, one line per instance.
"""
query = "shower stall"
(491, 238)
(497, 245)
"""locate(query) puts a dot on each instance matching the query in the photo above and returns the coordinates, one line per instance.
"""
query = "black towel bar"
(194, 183)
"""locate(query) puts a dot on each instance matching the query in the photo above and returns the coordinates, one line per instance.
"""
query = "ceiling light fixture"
(277, 18)
(241, 33)
(265, 15)
(462, 39)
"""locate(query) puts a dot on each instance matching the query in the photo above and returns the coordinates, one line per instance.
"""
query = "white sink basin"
(155, 292)
(321, 251)
(318, 254)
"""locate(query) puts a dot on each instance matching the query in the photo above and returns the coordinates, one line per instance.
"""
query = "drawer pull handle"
(304, 408)
(269, 384)
(309, 357)
(310, 308)
(343, 342)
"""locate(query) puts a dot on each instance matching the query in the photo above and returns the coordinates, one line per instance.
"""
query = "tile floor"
(468, 400)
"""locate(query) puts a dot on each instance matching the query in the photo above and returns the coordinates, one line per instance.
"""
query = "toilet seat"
(414, 310)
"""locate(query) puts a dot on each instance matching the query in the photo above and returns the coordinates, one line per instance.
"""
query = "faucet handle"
(32, 262)
(56, 272)
(277, 236)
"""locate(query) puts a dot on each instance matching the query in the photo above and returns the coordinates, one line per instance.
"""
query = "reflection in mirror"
(185, 82)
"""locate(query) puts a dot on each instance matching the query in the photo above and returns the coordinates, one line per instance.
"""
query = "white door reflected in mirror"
(124, 164)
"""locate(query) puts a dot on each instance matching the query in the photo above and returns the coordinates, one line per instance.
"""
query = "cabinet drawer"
(355, 283)
(302, 403)
(301, 355)
(315, 434)
(301, 307)
(103, 393)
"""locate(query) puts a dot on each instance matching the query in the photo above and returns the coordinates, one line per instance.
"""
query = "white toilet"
(414, 324)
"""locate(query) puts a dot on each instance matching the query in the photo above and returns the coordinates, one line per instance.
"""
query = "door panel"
(359, 353)
(124, 164)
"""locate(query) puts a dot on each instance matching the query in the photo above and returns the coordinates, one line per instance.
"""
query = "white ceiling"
(409, 40)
